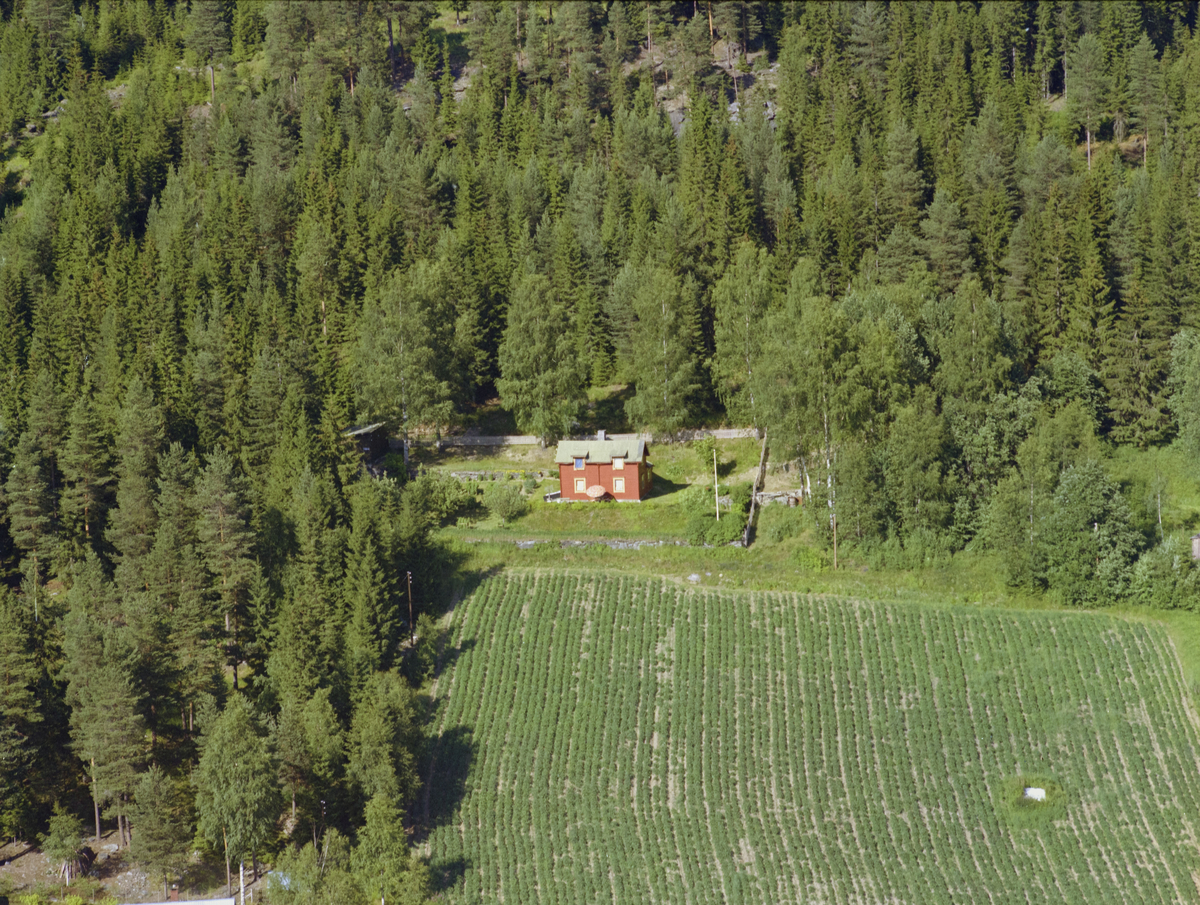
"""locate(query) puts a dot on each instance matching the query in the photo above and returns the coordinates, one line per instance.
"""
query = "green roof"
(600, 452)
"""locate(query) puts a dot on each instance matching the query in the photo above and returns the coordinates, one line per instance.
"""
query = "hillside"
(608, 739)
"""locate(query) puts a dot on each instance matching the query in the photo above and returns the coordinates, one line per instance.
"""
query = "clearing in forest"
(614, 739)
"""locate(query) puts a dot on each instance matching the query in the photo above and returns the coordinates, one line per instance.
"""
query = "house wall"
(636, 476)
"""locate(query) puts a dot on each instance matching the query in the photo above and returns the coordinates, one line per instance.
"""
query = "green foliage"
(160, 843)
(504, 501)
(1090, 544)
(937, 285)
(703, 526)
(541, 380)
(63, 844)
(237, 800)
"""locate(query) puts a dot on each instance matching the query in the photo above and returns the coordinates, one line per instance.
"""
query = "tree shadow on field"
(450, 758)
(447, 874)
(662, 487)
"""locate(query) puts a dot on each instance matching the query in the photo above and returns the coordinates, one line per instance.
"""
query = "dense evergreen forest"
(945, 255)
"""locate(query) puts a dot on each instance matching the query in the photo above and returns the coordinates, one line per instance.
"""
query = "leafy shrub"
(530, 484)
(440, 496)
(1164, 577)
(504, 501)
(807, 559)
(394, 463)
(418, 665)
(779, 522)
(1090, 544)
(703, 526)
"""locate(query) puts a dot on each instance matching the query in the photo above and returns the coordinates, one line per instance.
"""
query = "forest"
(946, 255)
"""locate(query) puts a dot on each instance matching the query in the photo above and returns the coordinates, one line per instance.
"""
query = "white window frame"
(581, 485)
(579, 463)
(621, 482)
(618, 463)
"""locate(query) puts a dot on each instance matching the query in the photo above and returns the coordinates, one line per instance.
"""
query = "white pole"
(242, 878)
(716, 489)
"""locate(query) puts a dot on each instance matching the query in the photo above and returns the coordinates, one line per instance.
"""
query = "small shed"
(603, 469)
(370, 440)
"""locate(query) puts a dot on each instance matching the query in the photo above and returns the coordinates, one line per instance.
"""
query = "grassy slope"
(609, 738)
(789, 564)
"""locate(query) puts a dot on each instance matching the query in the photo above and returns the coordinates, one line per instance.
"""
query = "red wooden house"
(603, 469)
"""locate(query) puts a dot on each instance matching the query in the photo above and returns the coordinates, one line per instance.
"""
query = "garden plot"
(613, 739)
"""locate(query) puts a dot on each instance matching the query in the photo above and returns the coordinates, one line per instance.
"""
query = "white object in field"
(1035, 793)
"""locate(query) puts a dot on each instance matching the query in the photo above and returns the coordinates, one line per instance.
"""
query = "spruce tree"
(86, 464)
(21, 717)
(402, 376)
(741, 300)
(382, 859)
(1146, 91)
(132, 522)
(945, 242)
(224, 544)
(903, 190)
(542, 380)
(30, 504)
(160, 844)
(663, 346)
(107, 731)
(1086, 85)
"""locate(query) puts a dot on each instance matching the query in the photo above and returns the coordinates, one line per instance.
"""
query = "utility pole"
(412, 629)
(716, 488)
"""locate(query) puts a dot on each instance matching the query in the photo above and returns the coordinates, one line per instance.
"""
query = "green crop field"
(613, 739)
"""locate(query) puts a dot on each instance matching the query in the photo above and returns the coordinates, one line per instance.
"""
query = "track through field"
(614, 739)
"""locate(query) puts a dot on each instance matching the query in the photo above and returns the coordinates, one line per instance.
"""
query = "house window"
(581, 485)
(618, 463)
(618, 485)
(579, 463)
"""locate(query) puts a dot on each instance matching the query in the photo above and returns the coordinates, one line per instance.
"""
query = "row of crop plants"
(634, 740)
